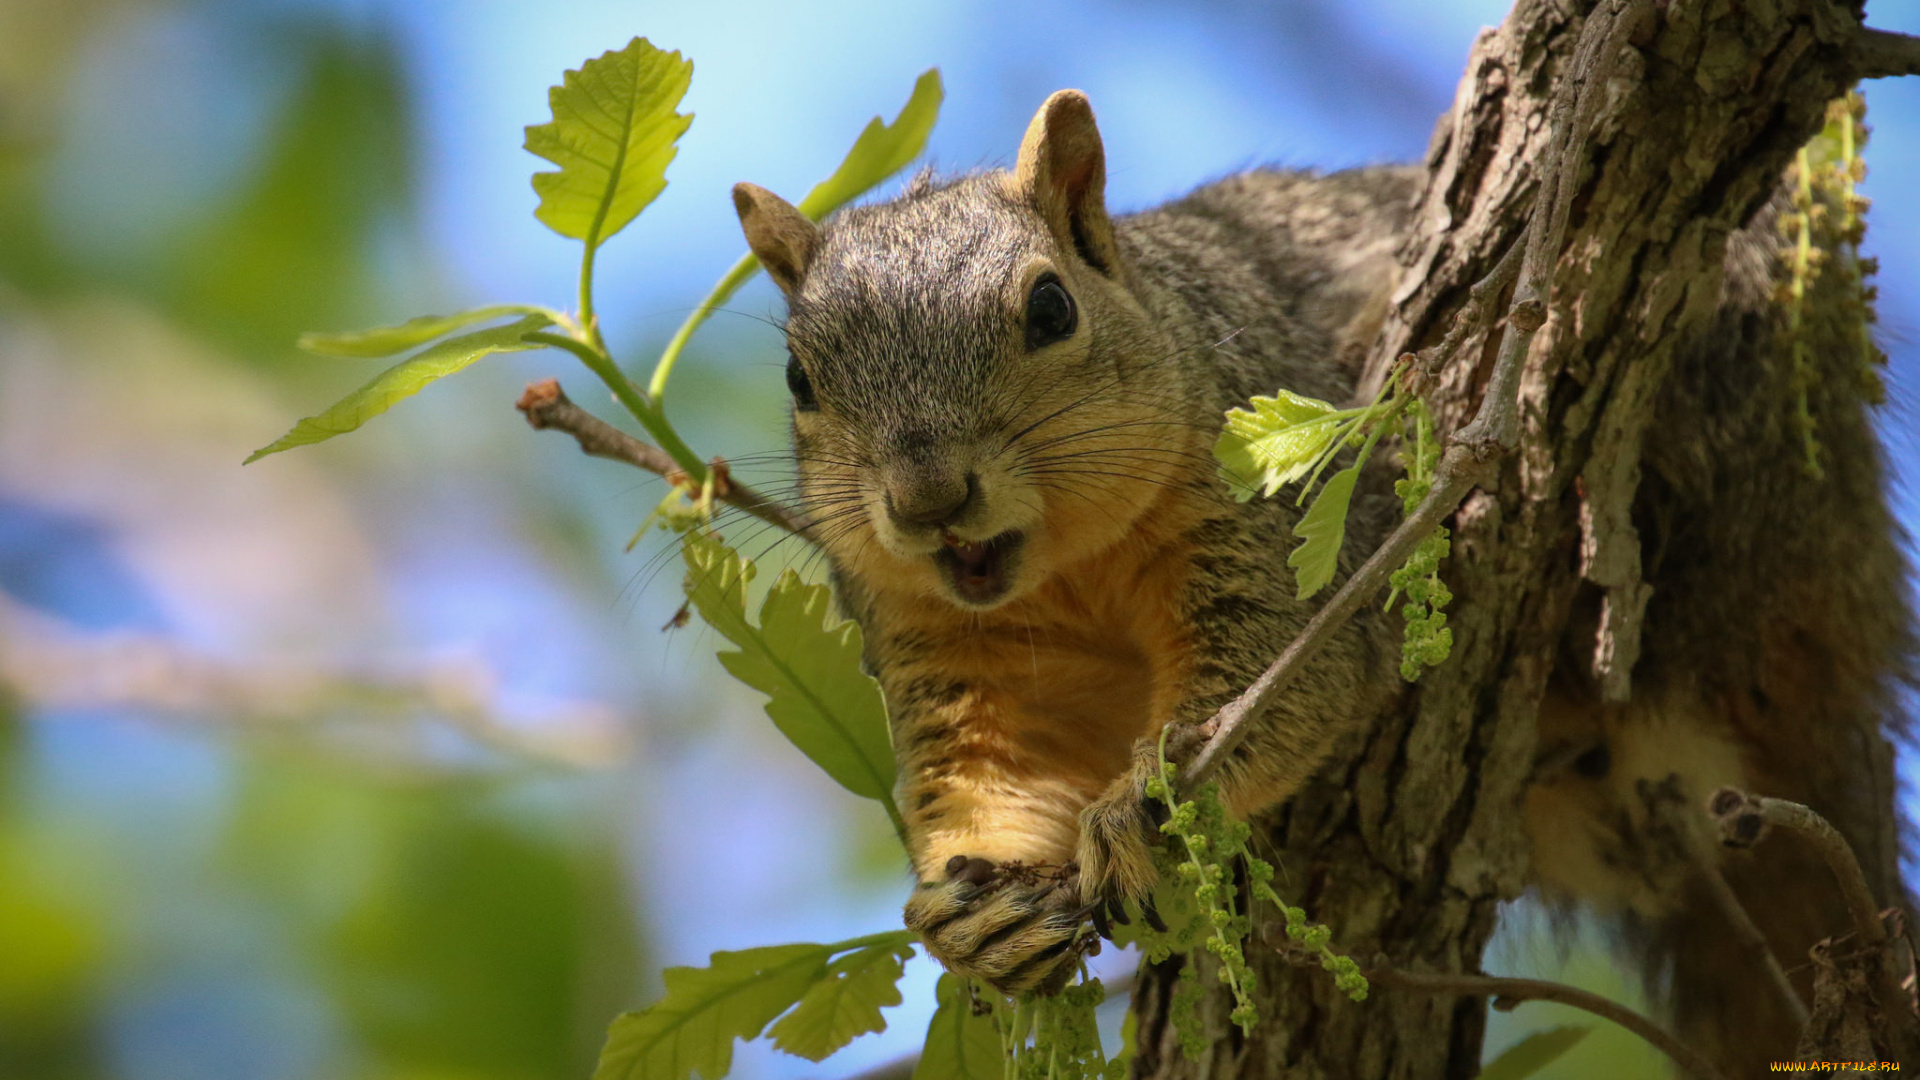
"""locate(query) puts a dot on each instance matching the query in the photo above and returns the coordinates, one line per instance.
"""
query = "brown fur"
(1143, 594)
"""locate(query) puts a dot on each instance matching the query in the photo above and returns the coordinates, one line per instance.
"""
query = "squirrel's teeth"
(965, 547)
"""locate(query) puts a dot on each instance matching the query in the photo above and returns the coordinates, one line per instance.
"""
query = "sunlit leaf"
(693, 1027)
(388, 340)
(1533, 1053)
(881, 150)
(1274, 443)
(612, 134)
(846, 1004)
(1321, 531)
(960, 1044)
(805, 660)
(403, 380)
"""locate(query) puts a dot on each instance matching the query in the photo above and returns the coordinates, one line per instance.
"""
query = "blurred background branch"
(49, 666)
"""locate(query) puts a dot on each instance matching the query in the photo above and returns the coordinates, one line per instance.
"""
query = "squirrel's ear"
(1063, 171)
(780, 236)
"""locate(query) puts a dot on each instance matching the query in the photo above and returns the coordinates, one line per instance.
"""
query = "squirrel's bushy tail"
(1776, 643)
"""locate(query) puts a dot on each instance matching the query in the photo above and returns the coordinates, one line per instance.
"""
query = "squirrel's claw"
(1098, 912)
(1015, 936)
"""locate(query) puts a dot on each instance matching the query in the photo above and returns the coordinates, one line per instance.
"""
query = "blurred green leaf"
(55, 949)
(1533, 1053)
(389, 340)
(961, 1045)
(805, 660)
(612, 134)
(881, 150)
(1274, 443)
(453, 928)
(1321, 531)
(294, 249)
(403, 380)
(693, 1027)
(846, 1004)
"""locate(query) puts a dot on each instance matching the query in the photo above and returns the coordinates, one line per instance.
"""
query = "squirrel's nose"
(931, 500)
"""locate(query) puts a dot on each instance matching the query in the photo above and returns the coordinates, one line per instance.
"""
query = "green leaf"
(846, 1004)
(805, 660)
(1273, 444)
(388, 340)
(881, 150)
(612, 134)
(1321, 531)
(960, 1045)
(1533, 1053)
(692, 1028)
(403, 380)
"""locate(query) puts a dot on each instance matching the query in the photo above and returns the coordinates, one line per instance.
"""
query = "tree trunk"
(1412, 838)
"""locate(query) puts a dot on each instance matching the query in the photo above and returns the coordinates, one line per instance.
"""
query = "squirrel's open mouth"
(978, 570)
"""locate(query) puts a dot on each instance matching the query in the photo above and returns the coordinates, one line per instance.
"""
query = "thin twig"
(1670, 808)
(1495, 428)
(1509, 992)
(1743, 817)
(547, 406)
(1457, 473)
(1735, 810)
(1882, 54)
(1475, 314)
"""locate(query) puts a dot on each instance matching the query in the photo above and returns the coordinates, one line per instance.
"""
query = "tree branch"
(1741, 817)
(1495, 428)
(1510, 992)
(1883, 54)
(52, 665)
(547, 407)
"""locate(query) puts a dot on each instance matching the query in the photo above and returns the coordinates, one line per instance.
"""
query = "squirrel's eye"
(1050, 314)
(802, 389)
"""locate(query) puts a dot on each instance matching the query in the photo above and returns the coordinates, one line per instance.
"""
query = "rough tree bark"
(1413, 837)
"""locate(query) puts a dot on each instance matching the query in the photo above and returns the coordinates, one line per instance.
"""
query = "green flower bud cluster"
(1213, 840)
(1057, 1037)
(1427, 640)
(1824, 227)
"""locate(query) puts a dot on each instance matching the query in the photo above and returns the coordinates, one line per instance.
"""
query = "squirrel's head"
(978, 398)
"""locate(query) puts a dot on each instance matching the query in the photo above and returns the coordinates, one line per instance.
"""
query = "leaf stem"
(588, 322)
(663, 368)
(885, 937)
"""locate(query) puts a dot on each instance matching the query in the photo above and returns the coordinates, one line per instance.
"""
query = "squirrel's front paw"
(1008, 926)
(1118, 832)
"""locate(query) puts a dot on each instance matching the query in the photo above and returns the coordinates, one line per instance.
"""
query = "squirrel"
(1004, 404)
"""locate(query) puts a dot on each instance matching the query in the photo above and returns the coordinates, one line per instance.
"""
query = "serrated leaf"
(1321, 531)
(1533, 1053)
(881, 150)
(1274, 443)
(612, 134)
(693, 1027)
(388, 340)
(403, 380)
(960, 1045)
(846, 1004)
(805, 660)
